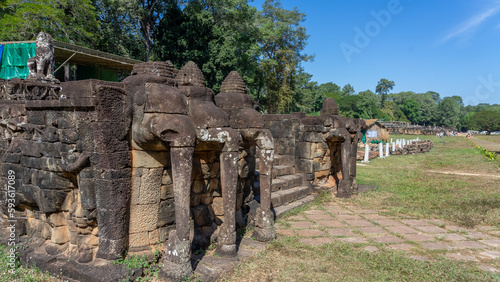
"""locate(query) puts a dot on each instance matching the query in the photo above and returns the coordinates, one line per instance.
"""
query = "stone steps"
(288, 189)
(279, 160)
(279, 211)
(289, 181)
(284, 160)
(281, 183)
(284, 197)
(281, 170)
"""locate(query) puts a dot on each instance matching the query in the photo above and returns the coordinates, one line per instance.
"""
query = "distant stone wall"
(408, 129)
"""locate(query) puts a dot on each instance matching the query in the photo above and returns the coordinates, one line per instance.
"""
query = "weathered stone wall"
(95, 169)
(72, 165)
(312, 142)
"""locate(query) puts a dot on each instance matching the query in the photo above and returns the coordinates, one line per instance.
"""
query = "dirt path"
(465, 173)
(488, 145)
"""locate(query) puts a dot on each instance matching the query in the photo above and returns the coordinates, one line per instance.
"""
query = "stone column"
(264, 218)
(344, 190)
(229, 179)
(352, 170)
(177, 263)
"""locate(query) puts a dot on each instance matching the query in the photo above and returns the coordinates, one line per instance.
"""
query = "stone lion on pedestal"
(41, 67)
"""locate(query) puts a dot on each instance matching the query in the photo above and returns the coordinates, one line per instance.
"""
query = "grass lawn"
(413, 185)
(286, 259)
(492, 138)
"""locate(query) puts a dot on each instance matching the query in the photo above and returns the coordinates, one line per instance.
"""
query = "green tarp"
(15, 58)
(14, 64)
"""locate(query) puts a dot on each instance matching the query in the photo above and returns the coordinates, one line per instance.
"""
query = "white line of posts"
(393, 147)
(380, 150)
(386, 150)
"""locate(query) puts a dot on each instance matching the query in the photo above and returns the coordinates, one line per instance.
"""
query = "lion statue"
(42, 65)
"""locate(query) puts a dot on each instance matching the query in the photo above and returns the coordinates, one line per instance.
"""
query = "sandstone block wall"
(87, 191)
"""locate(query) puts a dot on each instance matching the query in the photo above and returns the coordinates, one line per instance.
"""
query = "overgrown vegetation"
(21, 273)
(149, 268)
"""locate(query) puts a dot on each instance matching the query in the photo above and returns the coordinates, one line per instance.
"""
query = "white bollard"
(393, 147)
(367, 153)
(380, 151)
(391, 140)
(386, 150)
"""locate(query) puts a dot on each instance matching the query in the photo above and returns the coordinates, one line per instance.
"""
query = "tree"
(372, 97)
(428, 107)
(485, 121)
(411, 109)
(347, 90)
(308, 98)
(448, 112)
(383, 88)
(118, 32)
(330, 89)
(72, 21)
(394, 111)
(282, 39)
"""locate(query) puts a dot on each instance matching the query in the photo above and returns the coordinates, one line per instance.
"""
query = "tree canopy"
(383, 88)
(485, 121)
(265, 45)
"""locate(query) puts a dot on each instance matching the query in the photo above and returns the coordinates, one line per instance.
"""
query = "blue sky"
(450, 47)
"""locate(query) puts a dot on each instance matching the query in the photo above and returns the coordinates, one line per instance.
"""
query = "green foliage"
(150, 268)
(72, 21)
(20, 273)
(119, 33)
(485, 121)
(282, 39)
(383, 88)
(448, 112)
(265, 46)
(307, 97)
(347, 90)
(411, 109)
